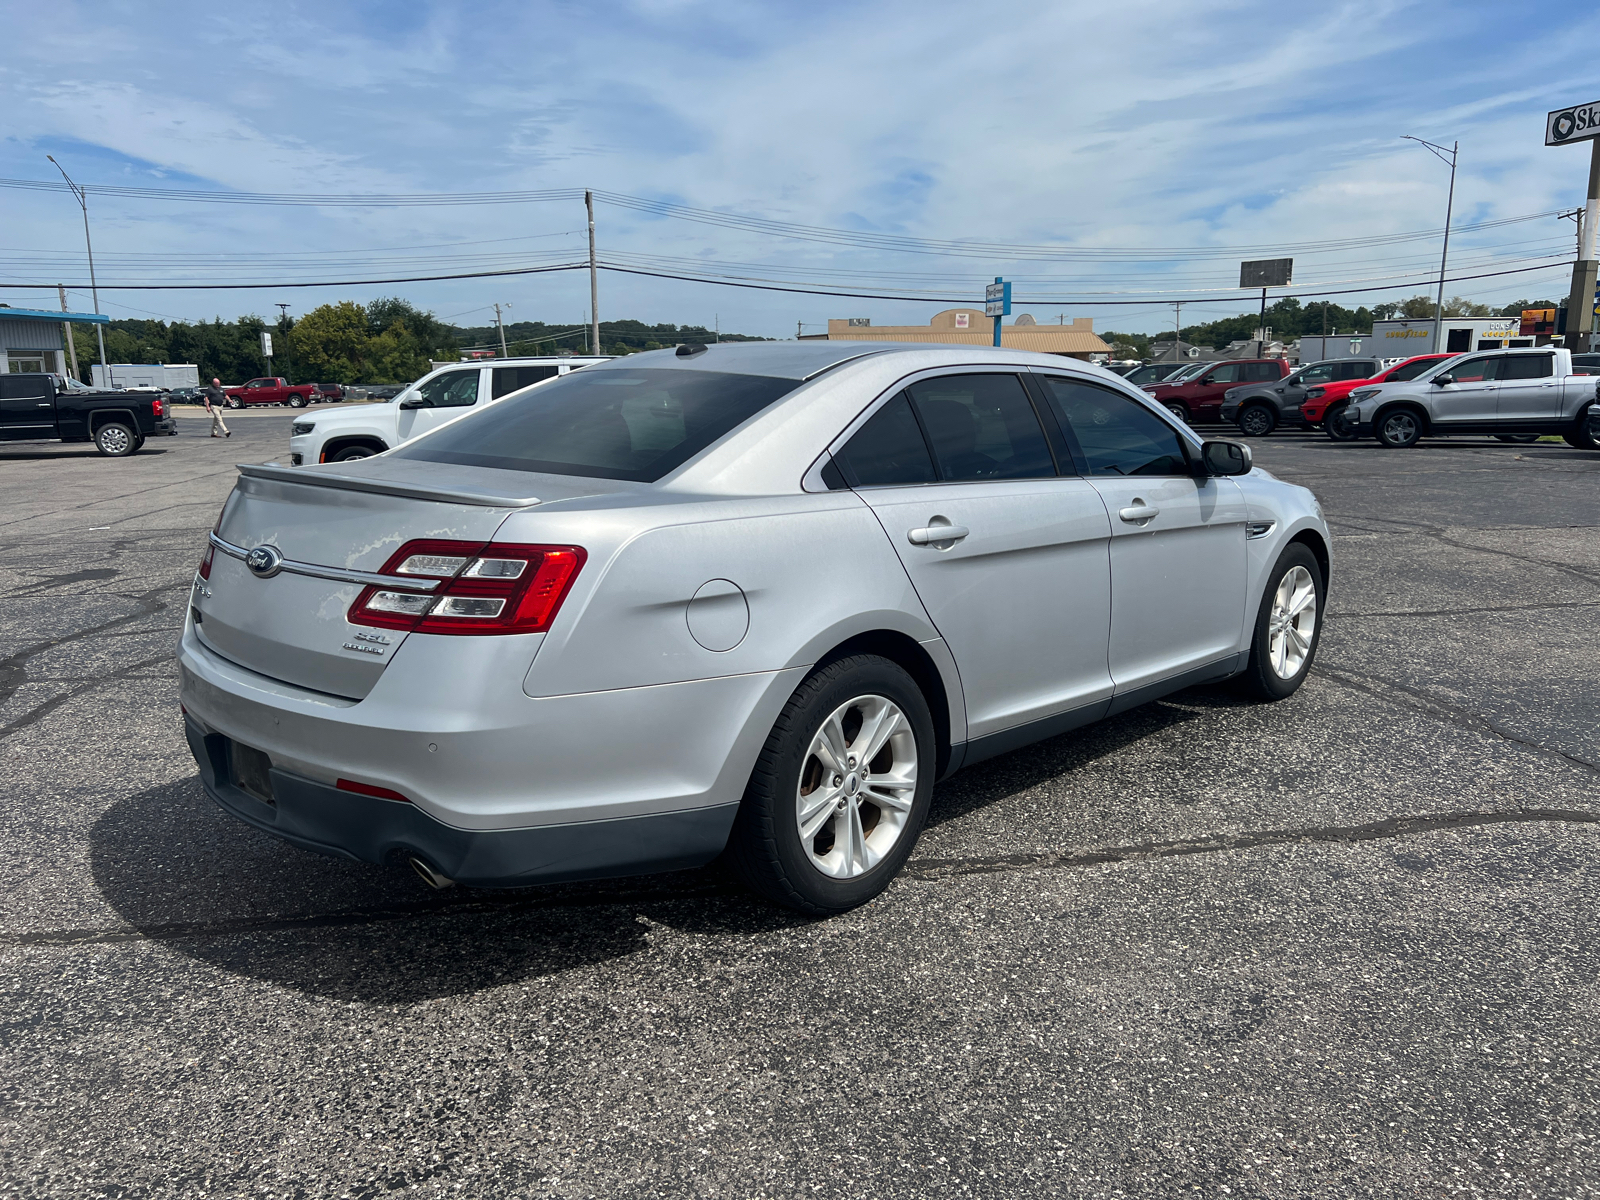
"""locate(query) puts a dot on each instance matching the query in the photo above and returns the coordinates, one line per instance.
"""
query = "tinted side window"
(982, 427)
(1475, 370)
(453, 389)
(1359, 369)
(511, 379)
(1527, 366)
(1410, 370)
(1118, 436)
(1261, 372)
(889, 449)
(25, 387)
(1317, 374)
(1232, 373)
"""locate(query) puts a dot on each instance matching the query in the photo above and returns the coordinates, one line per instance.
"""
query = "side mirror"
(1443, 380)
(415, 402)
(1226, 458)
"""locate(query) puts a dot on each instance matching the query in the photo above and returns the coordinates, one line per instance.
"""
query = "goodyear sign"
(1574, 124)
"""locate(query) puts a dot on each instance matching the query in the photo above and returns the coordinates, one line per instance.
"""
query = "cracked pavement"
(1341, 945)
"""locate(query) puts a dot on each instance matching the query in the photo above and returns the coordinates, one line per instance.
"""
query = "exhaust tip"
(429, 876)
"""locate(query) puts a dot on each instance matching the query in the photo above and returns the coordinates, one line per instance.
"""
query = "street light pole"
(94, 290)
(1439, 152)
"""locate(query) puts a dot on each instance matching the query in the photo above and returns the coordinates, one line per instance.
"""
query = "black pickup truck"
(36, 407)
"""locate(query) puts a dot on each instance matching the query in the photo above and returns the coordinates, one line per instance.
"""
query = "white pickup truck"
(362, 430)
(1514, 395)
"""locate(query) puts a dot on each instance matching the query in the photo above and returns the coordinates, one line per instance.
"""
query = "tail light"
(156, 408)
(493, 588)
(211, 551)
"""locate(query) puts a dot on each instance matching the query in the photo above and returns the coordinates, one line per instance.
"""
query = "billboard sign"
(1266, 272)
(1576, 123)
(266, 344)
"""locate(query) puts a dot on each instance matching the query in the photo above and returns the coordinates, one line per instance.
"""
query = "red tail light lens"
(369, 789)
(485, 588)
(156, 409)
(211, 551)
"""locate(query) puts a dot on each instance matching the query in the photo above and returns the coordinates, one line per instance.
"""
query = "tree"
(330, 342)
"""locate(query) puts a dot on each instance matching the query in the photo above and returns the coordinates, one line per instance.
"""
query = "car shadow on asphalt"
(183, 873)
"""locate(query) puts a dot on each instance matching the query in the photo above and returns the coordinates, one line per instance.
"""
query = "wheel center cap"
(852, 783)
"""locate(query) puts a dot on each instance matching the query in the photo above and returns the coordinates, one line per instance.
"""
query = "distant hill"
(616, 337)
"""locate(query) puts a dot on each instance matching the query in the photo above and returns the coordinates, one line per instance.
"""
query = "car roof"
(808, 359)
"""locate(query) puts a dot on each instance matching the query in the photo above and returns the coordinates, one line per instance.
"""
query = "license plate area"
(250, 770)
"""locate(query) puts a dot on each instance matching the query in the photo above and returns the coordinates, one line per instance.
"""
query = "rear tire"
(1398, 429)
(116, 440)
(233, 402)
(297, 401)
(1257, 421)
(1288, 626)
(824, 837)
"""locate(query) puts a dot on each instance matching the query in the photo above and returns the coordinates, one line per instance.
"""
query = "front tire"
(116, 440)
(1257, 421)
(1398, 429)
(841, 790)
(1288, 626)
(354, 453)
(1178, 411)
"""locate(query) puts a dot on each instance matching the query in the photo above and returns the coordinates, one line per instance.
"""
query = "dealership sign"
(1574, 124)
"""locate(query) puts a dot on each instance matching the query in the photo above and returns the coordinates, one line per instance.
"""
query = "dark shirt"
(214, 396)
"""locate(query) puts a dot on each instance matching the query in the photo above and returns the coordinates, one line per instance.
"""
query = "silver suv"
(1515, 395)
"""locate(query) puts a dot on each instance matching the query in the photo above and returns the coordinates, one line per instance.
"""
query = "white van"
(362, 430)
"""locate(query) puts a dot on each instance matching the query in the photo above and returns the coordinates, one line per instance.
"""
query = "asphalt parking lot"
(1342, 945)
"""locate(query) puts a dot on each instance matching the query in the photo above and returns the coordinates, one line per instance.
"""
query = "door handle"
(937, 533)
(1139, 511)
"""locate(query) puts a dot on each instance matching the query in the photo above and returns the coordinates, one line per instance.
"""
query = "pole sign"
(266, 344)
(997, 300)
(1576, 123)
(1266, 272)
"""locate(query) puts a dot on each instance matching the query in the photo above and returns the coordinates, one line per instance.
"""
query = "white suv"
(442, 395)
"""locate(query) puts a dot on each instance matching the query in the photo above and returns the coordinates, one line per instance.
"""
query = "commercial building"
(31, 339)
(1405, 338)
(970, 327)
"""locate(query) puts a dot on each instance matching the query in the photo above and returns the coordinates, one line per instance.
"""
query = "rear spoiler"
(384, 487)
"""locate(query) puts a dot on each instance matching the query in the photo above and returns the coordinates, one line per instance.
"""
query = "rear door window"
(888, 450)
(1116, 435)
(633, 424)
(982, 427)
(453, 389)
(1527, 366)
(1358, 369)
(1261, 372)
(514, 379)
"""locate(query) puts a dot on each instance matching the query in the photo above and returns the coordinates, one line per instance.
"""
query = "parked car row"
(274, 389)
(1515, 395)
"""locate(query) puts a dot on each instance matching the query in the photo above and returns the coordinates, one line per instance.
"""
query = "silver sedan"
(750, 600)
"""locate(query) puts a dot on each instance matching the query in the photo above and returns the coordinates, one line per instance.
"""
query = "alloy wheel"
(1400, 429)
(858, 783)
(1292, 622)
(1255, 422)
(115, 439)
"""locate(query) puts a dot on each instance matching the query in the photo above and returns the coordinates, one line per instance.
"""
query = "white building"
(1406, 338)
(30, 339)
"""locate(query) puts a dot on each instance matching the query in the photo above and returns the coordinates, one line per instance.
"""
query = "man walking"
(213, 395)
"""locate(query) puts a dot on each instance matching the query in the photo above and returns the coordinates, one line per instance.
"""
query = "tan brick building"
(969, 327)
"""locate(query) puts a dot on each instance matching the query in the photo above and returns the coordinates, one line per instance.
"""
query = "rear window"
(1408, 371)
(617, 424)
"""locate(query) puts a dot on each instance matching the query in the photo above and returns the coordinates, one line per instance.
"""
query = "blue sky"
(1143, 124)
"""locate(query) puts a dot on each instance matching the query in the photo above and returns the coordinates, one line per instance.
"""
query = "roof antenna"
(690, 349)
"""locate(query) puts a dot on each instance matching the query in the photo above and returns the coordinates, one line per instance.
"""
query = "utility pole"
(94, 288)
(283, 309)
(594, 281)
(500, 325)
(1444, 256)
(716, 335)
(1177, 328)
(66, 330)
(797, 331)
(1261, 327)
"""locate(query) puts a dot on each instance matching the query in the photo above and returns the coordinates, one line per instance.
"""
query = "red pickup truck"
(274, 389)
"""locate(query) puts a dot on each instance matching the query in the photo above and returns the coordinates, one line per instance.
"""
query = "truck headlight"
(300, 427)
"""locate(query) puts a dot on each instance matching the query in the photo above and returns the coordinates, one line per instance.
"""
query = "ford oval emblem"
(264, 562)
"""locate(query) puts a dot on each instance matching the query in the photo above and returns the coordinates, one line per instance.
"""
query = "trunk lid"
(294, 627)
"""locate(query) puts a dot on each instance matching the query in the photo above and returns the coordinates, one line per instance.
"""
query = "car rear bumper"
(501, 789)
(318, 817)
(166, 427)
